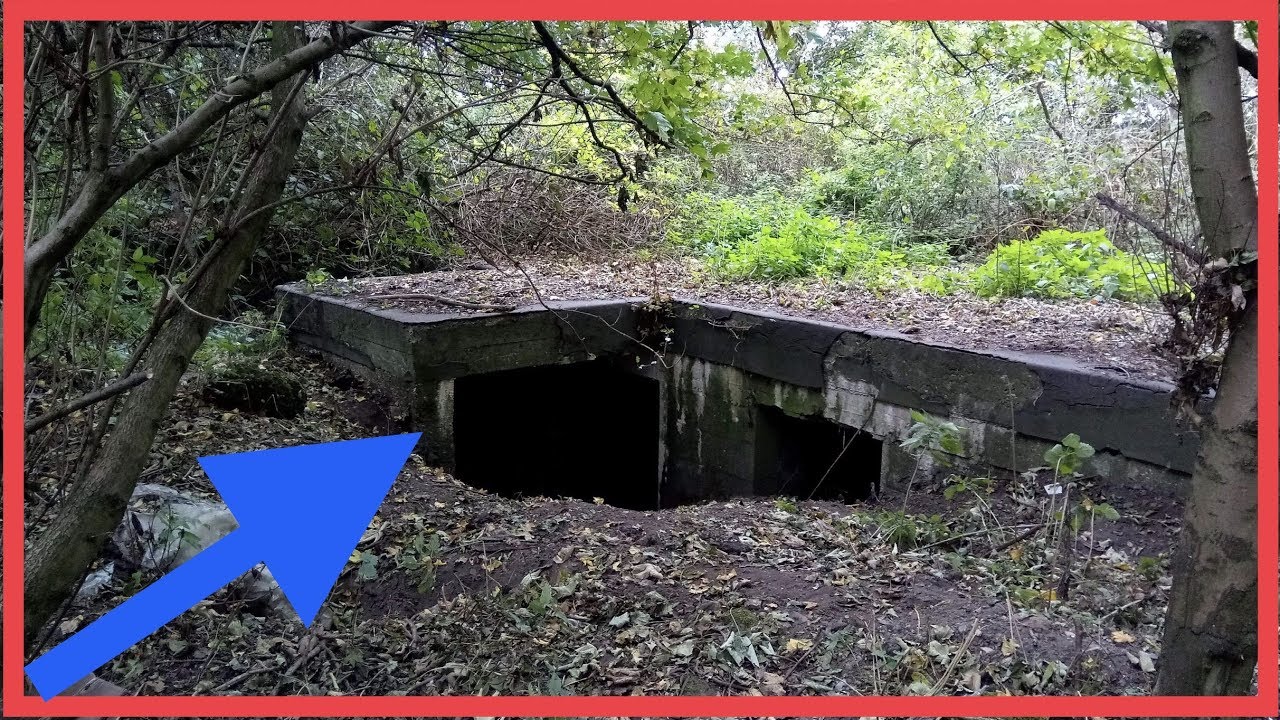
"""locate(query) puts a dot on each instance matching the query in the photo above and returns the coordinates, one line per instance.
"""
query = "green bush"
(102, 300)
(768, 237)
(1061, 264)
(708, 224)
(915, 196)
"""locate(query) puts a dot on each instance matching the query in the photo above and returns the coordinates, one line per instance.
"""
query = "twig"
(1022, 536)
(444, 300)
(1048, 118)
(86, 400)
(1120, 609)
(172, 292)
(1191, 253)
(241, 678)
(955, 659)
(853, 437)
(553, 47)
(873, 637)
(953, 538)
(967, 70)
(1075, 664)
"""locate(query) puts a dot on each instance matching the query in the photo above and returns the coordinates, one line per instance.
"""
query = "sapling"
(935, 436)
(1066, 458)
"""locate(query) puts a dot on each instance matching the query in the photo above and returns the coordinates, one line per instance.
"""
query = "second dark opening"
(814, 459)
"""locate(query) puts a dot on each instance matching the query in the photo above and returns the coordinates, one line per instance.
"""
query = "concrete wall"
(724, 363)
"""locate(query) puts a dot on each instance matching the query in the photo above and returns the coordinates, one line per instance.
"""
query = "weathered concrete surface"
(770, 345)
(1037, 395)
(377, 342)
(415, 356)
(406, 346)
(710, 436)
(723, 364)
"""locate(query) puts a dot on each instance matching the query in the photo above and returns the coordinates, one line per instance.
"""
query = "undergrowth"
(768, 237)
(773, 238)
(1063, 264)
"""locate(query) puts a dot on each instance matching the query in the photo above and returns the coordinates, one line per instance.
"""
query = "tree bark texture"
(1211, 636)
(1226, 198)
(1210, 642)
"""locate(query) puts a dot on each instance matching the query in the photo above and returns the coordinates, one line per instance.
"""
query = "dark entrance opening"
(585, 430)
(813, 459)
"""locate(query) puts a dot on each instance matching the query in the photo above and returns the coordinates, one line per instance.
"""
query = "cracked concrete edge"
(1034, 394)
(1038, 395)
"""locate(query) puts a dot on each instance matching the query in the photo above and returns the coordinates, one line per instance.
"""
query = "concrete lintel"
(1039, 396)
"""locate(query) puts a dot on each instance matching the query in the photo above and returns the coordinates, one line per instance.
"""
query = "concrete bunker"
(571, 399)
(581, 430)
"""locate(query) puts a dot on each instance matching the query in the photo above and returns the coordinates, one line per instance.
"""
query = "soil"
(458, 591)
(1113, 336)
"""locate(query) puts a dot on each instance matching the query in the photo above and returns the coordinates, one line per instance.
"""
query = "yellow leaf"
(798, 644)
(1120, 637)
(1015, 553)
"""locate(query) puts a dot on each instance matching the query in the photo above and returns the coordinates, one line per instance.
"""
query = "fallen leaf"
(1120, 637)
(648, 571)
(798, 644)
(1146, 662)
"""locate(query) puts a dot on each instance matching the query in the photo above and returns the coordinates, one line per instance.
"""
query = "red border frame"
(16, 704)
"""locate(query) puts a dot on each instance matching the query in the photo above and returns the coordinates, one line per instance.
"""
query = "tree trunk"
(1213, 124)
(1211, 628)
(94, 506)
(1211, 635)
(106, 184)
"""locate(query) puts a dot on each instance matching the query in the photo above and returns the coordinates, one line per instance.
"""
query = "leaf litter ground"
(1118, 337)
(455, 590)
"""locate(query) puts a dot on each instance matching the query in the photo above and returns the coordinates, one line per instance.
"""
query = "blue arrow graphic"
(301, 510)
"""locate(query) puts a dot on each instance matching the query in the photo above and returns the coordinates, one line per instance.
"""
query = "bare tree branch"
(1125, 212)
(1048, 118)
(86, 400)
(554, 48)
(104, 187)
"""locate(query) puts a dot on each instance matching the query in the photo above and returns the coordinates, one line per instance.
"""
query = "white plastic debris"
(164, 528)
(95, 581)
